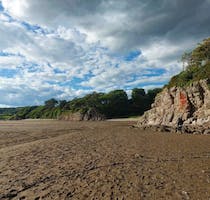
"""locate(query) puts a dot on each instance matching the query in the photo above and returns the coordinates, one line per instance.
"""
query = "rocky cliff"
(90, 115)
(191, 103)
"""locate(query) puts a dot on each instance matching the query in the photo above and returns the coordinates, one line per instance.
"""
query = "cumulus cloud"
(67, 48)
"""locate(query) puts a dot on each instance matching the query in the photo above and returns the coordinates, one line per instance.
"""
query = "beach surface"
(49, 159)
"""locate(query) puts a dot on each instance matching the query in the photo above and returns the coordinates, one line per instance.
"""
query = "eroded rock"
(90, 115)
(191, 104)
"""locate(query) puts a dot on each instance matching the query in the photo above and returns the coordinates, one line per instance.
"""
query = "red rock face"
(183, 101)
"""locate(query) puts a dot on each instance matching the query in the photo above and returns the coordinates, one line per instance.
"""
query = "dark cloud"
(174, 21)
(129, 23)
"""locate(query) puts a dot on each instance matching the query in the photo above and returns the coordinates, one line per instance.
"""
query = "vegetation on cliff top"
(197, 66)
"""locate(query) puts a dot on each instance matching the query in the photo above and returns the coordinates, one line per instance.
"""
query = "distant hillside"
(197, 66)
(6, 113)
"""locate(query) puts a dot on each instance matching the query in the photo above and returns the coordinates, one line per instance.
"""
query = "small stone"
(185, 194)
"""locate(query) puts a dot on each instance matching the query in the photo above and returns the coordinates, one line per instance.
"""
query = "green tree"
(201, 54)
(51, 103)
(139, 101)
(63, 104)
(115, 104)
(138, 94)
(186, 60)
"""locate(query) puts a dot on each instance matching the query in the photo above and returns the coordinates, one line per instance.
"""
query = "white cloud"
(16, 8)
(6, 106)
(10, 62)
(4, 17)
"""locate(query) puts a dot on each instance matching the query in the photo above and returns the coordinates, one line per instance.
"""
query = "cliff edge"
(191, 104)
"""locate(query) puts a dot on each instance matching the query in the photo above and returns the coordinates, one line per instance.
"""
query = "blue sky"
(1, 7)
(65, 49)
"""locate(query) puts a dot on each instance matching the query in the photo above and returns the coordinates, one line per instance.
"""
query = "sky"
(68, 48)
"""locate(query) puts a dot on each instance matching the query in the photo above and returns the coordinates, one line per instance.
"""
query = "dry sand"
(100, 160)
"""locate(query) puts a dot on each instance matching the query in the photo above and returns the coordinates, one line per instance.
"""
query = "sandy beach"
(41, 159)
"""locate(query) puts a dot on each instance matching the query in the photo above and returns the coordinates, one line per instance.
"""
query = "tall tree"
(51, 103)
(139, 101)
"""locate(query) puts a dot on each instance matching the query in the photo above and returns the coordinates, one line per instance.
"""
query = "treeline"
(7, 111)
(113, 104)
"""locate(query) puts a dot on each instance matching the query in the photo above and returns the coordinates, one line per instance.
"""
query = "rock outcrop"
(191, 104)
(90, 115)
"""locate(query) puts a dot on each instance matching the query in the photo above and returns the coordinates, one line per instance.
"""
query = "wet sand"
(100, 160)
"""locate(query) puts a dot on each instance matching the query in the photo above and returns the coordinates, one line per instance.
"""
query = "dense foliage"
(197, 66)
(6, 113)
(113, 104)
